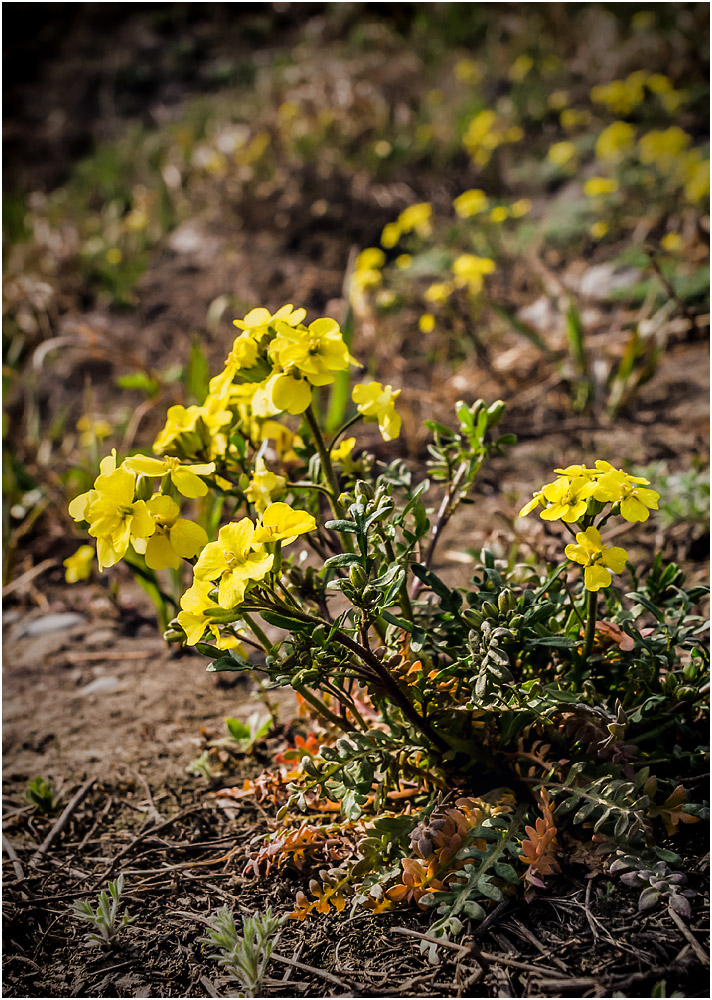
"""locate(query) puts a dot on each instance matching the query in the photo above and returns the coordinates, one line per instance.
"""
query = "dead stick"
(12, 855)
(62, 821)
(208, 987)
(486, 955)
(28, 576)
(687, 934)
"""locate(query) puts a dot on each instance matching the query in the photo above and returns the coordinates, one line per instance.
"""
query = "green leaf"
(197, 374)
(342, 525)
(228, 663)
(238, 730)
(344, 559)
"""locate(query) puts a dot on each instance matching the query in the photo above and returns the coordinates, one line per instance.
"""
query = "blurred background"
(530, 183)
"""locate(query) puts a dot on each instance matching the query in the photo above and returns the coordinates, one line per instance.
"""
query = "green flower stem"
(257, 631)
(403, 596)
(376, 667)
(590, 632)
(323, 711)
(344, 427)
(327, 469)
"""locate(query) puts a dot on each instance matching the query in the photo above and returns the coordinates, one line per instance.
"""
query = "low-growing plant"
(104, 919)
(40, 793)
(245, 956)
(454, 731)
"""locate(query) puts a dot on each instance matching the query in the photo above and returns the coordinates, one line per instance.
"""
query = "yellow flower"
(520, 207)
(572, 119)
(671, 242)
(696, 175)
(317, 352)
(184, 477)
(622, 96)
(538, 500)
(438, 292)
(92, 430)
(191, 618)
(174, 538)
(663, 147)
(403, 261)
(499, 214)
(264, 486)
(391, 235)
(79, 564)
(259, 319)
(520, 67)
(236, 559)
(426, 323)
(115, 519)
(80, 504)
(416, 218)
(282, 524)
(567, 498)
(598, 559)
(615, 141)
(284, 440)
(341, 453)
(599, 229)
(377, 402)
(616, 486)
(467, 71)
(558, 99)
(562, 154)
(597, 187)
(469, 271)
(470, 203)
(370, 259)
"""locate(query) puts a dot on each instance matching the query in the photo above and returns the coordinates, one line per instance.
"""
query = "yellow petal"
(211, 562)
(160, 554)
(187, 538)
(193, 625)
(145, 465)
(595, 577)
(187, 483)
(290, 394)
(142, 524)
(231, 590)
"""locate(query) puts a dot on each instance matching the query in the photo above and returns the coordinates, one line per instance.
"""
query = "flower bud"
(505, 601)
(495, 412)
(358, 577)
(363, 491)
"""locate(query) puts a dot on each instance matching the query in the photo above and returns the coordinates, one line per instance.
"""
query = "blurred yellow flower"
(597, 187)
(78, 566)
(470, 203)
(264, 486)
(377, 402)
(615, 142)
(426, 323)
(520, 67)
(562, 154)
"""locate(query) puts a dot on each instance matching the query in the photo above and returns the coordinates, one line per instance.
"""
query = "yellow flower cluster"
(567, 498)
(239, 558)
(413, 219)
(623, 96)
(485, 132)
(118, 515)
